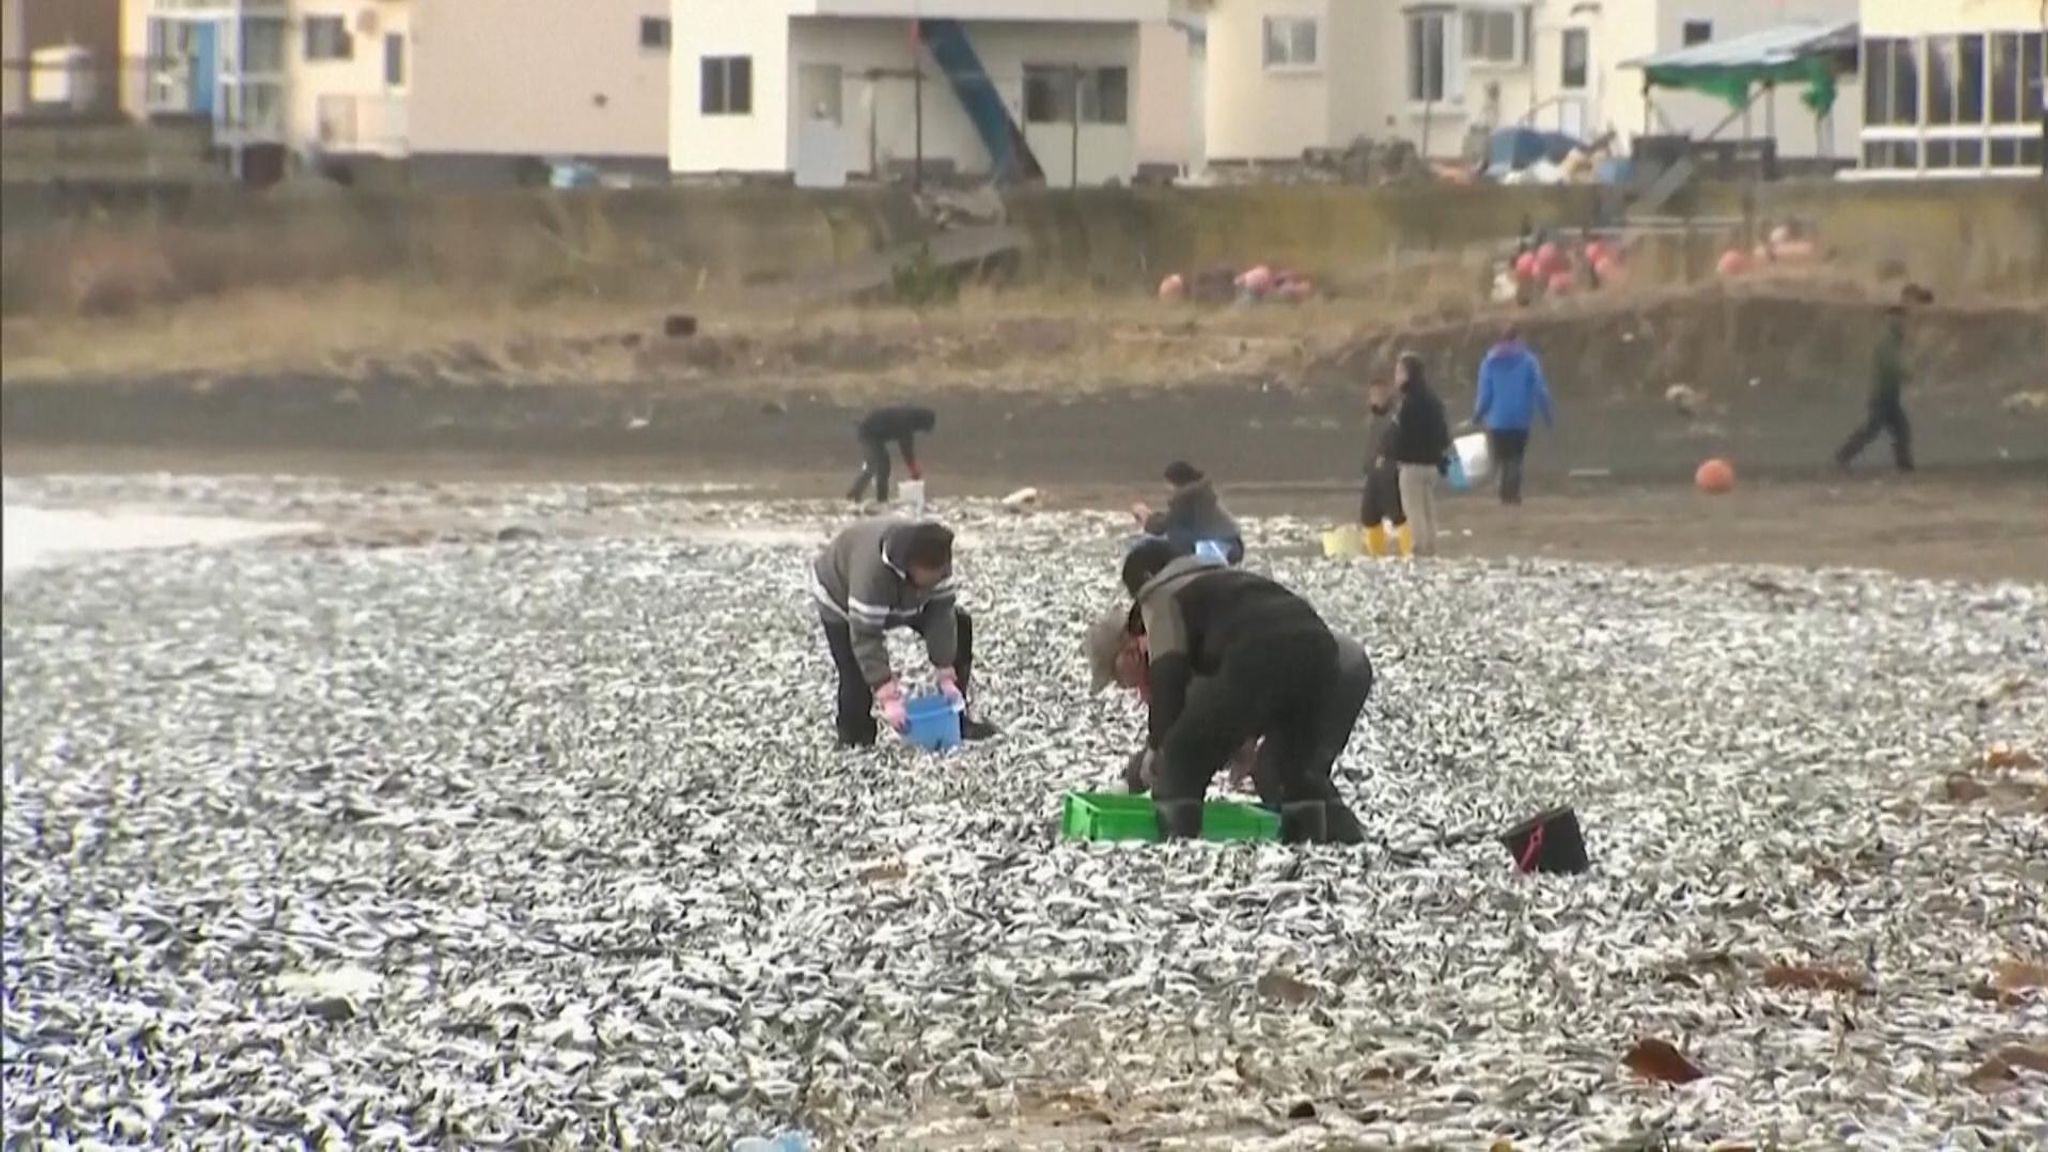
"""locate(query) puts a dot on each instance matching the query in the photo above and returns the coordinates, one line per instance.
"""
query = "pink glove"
(890, 698)
(949, 683)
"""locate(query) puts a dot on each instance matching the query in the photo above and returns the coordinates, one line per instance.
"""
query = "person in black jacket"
(1422, 446)
(896, 424)
(1194, 514)
(1381, 502)
(1230, 657)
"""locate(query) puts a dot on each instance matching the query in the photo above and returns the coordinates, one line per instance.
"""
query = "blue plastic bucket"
(1455, 477)
(933, 722)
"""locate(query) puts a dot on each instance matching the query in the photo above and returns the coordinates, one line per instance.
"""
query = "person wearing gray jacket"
(876, 576)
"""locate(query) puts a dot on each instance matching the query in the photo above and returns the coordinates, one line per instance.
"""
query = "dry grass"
(1033, 337)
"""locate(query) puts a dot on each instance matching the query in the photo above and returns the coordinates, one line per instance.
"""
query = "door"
(1574, 81)
(821, 152)
(202, 66)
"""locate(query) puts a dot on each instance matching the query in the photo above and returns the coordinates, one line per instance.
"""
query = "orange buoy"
(1173, 287)
(1715, 476)
(1733, 262)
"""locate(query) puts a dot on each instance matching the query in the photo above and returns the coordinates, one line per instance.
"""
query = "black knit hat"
(1180, 472)
(928, 545)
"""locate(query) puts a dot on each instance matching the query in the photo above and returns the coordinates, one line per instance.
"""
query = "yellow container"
(1339, 542)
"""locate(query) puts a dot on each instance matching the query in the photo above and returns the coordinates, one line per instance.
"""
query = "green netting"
(1735, 83)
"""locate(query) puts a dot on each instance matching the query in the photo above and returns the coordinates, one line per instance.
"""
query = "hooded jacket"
(1194, 612)
(1888, 370)
(1512, 390)
(1193, 513)
(1422, 431)
(897, 422)
(862, 581)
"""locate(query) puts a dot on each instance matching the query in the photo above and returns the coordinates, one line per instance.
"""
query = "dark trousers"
(1285, 688)
(1884, 416)
(874, 465)
(1382, 500)
(1507, 447)
(855, 715)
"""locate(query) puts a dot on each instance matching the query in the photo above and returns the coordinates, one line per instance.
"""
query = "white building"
(1288, 75)
(1017, 89)
(1954, 89)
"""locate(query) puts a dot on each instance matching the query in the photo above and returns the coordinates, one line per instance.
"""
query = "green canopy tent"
(1809, 57)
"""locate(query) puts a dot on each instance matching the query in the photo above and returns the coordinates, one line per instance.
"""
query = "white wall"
(1167, 106)
(1256, 114)
(537, 77)
(759, 142)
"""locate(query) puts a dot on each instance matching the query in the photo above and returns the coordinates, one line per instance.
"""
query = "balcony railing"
(363, 124)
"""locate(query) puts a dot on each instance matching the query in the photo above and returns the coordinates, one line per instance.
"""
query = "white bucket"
(913, 497)
(1473, 457)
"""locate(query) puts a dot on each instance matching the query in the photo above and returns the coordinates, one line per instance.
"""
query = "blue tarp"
(1513, 149)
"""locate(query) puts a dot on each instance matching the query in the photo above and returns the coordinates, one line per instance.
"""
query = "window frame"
(1449, 23)
(338, 49)
(657, 34)
(1294, 25)
(1687, 28)
(724, 67)
(1969, 138)
(1068, 94)
(1519, 25)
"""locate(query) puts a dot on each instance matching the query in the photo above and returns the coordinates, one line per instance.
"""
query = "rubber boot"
(1305, 822)
(1376, 540)
(1178, 819)
(1342, 824)
(1406, 536)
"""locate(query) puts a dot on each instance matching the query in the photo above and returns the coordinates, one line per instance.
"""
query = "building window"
(654, 33)
(1576, 60)
(727, 86)
(1891, 82)
(1496, 35)
(1429, 57)
(1891, 154)
(1291, 42)
(2014, 75)
(394, 60)
(1696, 32)
(327, 38)
(1067, 94)
(1955, 79)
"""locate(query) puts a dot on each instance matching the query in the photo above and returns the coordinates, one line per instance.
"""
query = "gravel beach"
(541, 841)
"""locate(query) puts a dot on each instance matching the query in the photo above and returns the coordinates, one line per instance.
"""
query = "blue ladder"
(999, 132)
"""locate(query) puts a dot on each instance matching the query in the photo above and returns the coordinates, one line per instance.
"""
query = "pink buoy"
(1173, 287)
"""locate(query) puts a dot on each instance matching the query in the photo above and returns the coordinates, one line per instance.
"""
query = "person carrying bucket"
(876, 576)
(896, 424)
(1512, 393)
(1420, 447)
(1194, 515)
(1232, 657)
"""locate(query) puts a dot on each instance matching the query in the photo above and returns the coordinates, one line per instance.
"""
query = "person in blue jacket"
(1512, 393)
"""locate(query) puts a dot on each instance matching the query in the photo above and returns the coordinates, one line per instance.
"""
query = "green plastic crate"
(1121, 816)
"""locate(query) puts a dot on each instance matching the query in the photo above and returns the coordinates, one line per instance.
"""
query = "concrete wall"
(1166, 108)
(170, 243)
(1254, 113)
(539, 77)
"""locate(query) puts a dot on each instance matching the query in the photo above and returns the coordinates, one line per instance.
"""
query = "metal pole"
(1074, 144)
(917, 120)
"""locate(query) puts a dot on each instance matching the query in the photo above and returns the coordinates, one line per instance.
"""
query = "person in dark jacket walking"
(1193, 514)
(1230, 657)
(1422, 445)
(1886, 409)
(884, 574)
(1512, 393)
(899, 425)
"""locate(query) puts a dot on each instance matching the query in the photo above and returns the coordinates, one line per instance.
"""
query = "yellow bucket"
(1340, 542)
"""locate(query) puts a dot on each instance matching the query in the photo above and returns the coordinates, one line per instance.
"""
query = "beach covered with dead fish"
(544, 842)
